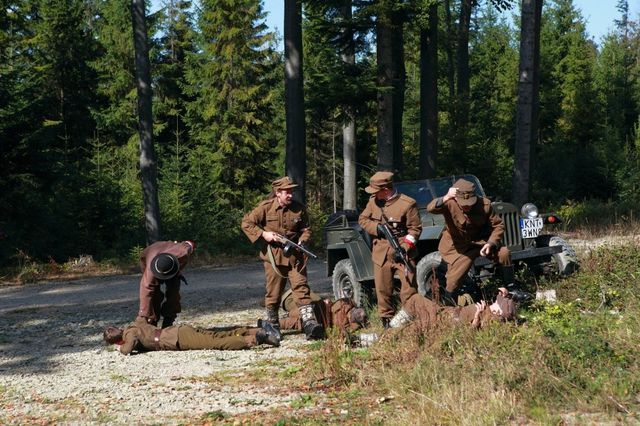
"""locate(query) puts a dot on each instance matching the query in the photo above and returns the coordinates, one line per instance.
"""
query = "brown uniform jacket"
(291, 221)
(402, 214)
(330, 314)
(462, 236)
(428, 314)
(142, 336)
(178, 249)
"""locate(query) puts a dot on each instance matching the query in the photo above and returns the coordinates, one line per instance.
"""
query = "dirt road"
(54, 366)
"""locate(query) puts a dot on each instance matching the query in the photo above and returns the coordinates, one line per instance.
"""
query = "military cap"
(378, 181)
(466, 194)
(507, 306)
(283, 183)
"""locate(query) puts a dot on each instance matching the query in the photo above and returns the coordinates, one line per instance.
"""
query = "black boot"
(168, 322)
(273, 319)
(312, 329)
(270, 329)
(264, 337)
(508, 275)
(386, 323)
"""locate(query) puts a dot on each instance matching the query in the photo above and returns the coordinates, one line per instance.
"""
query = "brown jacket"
(142, 336)
(149, 285)
(330, 314)
(428, 314)
(291, 221)
(403, 217)
(464, 235)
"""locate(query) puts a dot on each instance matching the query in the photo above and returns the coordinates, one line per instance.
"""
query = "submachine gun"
(289, 245)
(400, 254)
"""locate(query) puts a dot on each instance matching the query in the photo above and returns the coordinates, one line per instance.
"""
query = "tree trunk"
(399, 85)
(462, 101)
(349, 126)
(429, 96)
(527, 107)
(384, 56)
(295, 157)
(148, 168)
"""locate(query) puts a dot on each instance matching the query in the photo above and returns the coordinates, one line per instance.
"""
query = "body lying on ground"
(141, 337)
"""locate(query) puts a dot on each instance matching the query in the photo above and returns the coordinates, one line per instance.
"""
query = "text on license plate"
(530, 228)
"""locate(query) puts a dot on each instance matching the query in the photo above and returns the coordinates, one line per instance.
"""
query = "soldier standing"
(472, 229)
(162, 262)
(400, 213)
(277, 216)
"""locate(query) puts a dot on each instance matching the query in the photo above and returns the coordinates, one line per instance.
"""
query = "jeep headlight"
(529, 211)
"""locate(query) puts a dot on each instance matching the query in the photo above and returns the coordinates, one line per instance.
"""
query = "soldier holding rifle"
(282, 224)
(389, 212)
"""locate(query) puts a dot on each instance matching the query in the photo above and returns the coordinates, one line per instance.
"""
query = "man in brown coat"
(472, 229)
(427, 314)
(162, 262)
(277, 216)
(400, 213)
(141, 336)
(341, 314)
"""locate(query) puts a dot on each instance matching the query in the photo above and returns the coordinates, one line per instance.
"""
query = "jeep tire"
(346, 284)
(566, 261)
(426, 266)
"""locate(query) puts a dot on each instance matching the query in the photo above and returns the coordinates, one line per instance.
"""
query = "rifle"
(289, 245)
(400, 253)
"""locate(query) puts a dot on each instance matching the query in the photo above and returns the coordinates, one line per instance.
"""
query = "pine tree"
(231, 115)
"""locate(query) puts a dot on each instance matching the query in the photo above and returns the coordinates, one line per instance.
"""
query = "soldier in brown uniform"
(162, 262)
(427, 314)
(400, 212)
(141, 336)
(341, 314)
(472, 229)
(281, 215)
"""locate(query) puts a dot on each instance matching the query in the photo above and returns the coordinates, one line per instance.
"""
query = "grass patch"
(576, 359)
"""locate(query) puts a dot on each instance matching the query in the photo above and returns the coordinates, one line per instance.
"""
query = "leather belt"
(156, 338)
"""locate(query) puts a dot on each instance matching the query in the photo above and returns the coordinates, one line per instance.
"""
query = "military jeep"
(348, 246)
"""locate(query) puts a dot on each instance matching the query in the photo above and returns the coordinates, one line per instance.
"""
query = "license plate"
(530, 228)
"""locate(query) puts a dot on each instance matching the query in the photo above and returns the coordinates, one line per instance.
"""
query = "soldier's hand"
(486, 249)
(450, 194)
(269, 236)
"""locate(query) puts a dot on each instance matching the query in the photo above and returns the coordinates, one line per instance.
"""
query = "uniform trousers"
(457, 270)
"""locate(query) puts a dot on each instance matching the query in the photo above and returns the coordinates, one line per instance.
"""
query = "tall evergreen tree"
(232, 81)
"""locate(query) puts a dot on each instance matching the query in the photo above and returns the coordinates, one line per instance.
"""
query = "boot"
(271, 313)
(270, 330)
(264, 337)
(312, 329)
(168, 321)
(400, 319)
(508, 275)
(386, 322)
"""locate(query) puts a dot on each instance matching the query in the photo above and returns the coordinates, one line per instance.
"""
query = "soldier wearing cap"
(162, 262)
(387, 205)
(281, 215)
(472, 229)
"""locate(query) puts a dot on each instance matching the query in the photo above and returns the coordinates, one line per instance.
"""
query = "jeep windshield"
(423, 191)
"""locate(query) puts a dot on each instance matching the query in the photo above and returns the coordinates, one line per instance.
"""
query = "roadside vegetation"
(574, 361)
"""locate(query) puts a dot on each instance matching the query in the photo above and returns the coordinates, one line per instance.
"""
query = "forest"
(69, 132)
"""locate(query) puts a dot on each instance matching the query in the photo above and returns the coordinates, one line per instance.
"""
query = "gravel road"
(54, 367)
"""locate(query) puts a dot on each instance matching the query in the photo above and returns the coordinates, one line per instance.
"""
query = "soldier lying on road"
(141, 336)
(341, 314)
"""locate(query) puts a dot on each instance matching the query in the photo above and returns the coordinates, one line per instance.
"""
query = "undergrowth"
(575, 358)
